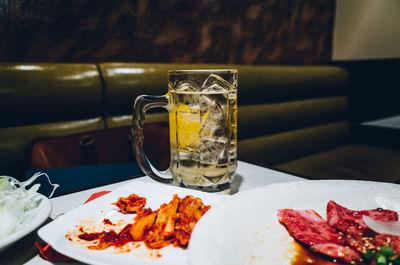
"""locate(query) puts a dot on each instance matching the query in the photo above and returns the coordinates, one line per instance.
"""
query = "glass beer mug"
(202, 106)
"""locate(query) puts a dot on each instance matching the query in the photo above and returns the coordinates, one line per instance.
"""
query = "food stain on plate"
(98, 225)
(304, 256)
(273, 245)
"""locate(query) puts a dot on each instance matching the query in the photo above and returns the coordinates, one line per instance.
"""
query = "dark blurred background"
(254, 32)
(270, 32)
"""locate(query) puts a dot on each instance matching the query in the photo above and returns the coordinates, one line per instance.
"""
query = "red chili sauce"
(110, 238)
(107, 222)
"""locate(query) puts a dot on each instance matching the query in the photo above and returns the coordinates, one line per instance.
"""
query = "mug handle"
(141, 106)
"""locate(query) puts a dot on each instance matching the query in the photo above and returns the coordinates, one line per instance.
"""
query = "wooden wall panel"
(207, 31)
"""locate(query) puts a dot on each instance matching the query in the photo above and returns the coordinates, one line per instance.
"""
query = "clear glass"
(202, 107)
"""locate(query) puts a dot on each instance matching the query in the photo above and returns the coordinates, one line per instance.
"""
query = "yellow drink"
(203, 136)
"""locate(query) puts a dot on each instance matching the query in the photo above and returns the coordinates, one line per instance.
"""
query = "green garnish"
(385, 256)
(368, 256)
(381, 259)
(396, 261)
(386, 251)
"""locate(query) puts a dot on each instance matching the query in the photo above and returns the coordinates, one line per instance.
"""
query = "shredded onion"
(392, 228)
(17, 202)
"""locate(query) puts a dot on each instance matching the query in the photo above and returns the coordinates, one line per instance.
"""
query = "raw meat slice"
(336, 251)
(309, 228)
(389, 241)
(352, 226)
(350, 222)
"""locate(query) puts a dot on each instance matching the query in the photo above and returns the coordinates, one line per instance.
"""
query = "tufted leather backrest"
(285, 112)
(39, 93)
(44, 100)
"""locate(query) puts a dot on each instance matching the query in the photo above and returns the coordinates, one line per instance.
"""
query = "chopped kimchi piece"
(162, 232)
(166, 217)
(142, 225)
(171, 224)
(155, 240)
(131, 204)
(191, 209)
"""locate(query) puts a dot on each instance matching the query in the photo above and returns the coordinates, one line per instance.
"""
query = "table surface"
(24, 252)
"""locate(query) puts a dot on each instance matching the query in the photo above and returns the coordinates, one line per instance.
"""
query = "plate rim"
(315, 181)
(45, 206)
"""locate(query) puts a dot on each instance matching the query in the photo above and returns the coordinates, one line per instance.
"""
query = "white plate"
(39, 215)
(101, 208)
(244, 229)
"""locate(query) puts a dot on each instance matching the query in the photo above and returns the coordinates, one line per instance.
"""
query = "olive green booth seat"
(291, 118)
(44, 100)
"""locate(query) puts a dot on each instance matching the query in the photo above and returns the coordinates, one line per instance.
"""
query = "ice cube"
(207, 106)
(213, 123)
(214, 100)
(213, 150)
(187, 86)
(207, 103)
(187, 93)
(215, 83)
